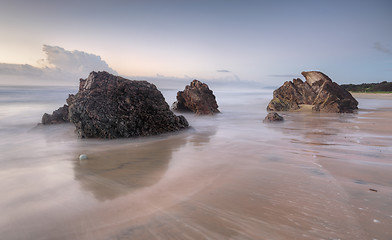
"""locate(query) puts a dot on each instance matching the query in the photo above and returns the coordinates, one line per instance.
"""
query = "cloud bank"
(60, 67)
(74, 61)
(19, 70)
(381, 48)
(64, 67)
(284, 76)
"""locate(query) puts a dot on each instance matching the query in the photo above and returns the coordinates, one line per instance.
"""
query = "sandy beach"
(157, 120)
(230, 176)
(373, 95)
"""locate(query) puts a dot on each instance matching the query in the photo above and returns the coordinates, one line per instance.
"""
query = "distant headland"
(369, 87)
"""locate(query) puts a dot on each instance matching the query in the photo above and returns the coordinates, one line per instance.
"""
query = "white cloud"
(60, 67)
(74, 61)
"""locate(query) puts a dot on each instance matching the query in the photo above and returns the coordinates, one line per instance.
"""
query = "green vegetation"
(383, 87)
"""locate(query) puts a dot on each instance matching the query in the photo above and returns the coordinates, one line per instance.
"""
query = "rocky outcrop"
(58, 116)
(318, 90)
(196, 97)
(109, 106)
(273, 117)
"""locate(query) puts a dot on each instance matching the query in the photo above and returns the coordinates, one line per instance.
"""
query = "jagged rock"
(196, 97)
(273, 117)
(109, 106)
(58, 116)
(318, 90)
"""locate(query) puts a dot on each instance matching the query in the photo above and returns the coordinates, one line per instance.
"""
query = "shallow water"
(229, 176)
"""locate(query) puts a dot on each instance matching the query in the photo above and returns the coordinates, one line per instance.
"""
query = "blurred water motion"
(229, 176)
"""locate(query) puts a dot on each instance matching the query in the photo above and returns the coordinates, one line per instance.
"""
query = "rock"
(318, 90)
(196, 97)
(109, 106)
(83, 157)
(58, 116)
(273, 117)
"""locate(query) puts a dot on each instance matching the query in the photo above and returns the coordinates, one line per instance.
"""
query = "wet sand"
(228, 177)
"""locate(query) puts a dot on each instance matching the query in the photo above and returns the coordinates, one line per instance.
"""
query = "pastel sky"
(263, 41)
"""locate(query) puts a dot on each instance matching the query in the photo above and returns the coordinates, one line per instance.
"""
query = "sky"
(57, 42)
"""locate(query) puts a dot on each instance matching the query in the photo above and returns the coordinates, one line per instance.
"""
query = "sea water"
(228, 176)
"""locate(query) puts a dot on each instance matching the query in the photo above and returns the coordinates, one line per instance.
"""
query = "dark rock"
(196, 97)
(318, 90)
(273, 117)
(109, 106)
(58, 116)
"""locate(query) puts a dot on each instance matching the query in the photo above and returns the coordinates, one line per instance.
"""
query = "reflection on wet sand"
(354, 150)
(110, 172)
(230, 177)
(202, 138)
(114, 171)
(314, 128)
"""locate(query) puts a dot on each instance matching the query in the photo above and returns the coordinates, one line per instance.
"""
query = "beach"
(229, 176)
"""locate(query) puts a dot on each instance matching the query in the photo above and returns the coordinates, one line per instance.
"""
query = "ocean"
(229, 176)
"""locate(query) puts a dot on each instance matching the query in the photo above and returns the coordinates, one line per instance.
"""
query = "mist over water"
(227, 176)
(24, 106)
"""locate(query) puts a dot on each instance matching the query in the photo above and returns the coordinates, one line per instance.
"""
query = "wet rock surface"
(318, 90)
(58, 116)
(109, 106)
(197, 98)
(273, 117)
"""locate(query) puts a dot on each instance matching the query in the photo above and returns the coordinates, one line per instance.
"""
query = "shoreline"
(372, 95)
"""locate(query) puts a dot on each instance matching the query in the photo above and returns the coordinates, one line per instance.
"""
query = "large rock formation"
(109, 106)
(196, 97)
(318, 90)
(58, 116)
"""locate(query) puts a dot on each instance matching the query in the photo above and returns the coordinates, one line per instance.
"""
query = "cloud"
(19, 70)
(160, 75)
(381, 48)
(227, 77)
(163, 81)
(283, 76)
(74, 61)
(60, 67)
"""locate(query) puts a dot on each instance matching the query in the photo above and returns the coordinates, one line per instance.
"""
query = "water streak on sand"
(228, 177)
